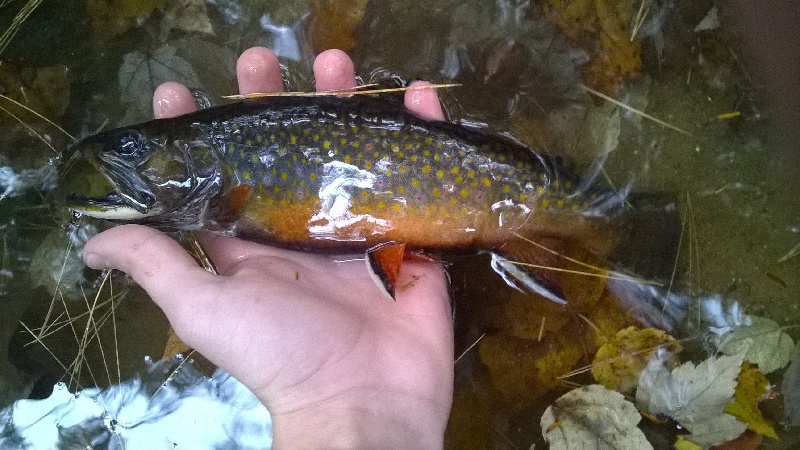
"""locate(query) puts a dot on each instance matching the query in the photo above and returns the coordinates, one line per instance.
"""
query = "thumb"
(156, 262)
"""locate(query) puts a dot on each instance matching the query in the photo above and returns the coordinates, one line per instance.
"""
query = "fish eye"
(129, 144)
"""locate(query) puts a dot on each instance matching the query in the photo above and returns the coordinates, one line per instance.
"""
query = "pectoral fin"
(528, 268)
(383, 264)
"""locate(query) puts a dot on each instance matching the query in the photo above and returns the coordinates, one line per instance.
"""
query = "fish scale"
(344, 174)
(341, 164)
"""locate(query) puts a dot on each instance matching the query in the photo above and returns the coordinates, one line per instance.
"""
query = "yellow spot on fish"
(400, 155)
(545, 203)
(453, 201)
(312, 177)
(428, 141)
(555, 183)
(231, 147)
(246, 175)
(359, 155)
(277, 189)
(459, 179)
(381, 205)
(356, 144)
(463, 210)
(464, 193)
(270, 201)
(402, 169)
(437, 157)
(409, 146)
(395, 147)
(364, 194)
(413, 158)
(454, 170)
(426, 168)
(470, 174)
(567, 185)
(293, 139)
(347, 159)
(388, 172)
(415, 183)
(539, 190)
(506, 189)
(368, 165)
(284, 176)
(343, 141)
(486, 182)
(396, 207)
(440, 174)
(522, 198)
(248, 142)
(316, 137)
(426, 153)
(254, 158)
(326, 144)
(560, 204)
(437, 192)
(401, 189)
(355, 130)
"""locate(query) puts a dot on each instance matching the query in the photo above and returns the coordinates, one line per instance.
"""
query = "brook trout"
(343, 175)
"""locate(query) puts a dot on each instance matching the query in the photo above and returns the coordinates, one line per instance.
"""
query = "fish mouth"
(130, 198)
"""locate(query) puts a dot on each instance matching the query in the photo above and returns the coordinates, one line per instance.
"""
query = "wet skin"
(312, 336)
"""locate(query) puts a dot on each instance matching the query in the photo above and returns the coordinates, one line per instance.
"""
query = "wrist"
(389, 422)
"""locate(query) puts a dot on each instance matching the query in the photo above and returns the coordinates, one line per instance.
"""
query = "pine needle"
(358, 90)
(634, 110)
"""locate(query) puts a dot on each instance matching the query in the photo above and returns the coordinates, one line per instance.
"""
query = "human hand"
(336, 364)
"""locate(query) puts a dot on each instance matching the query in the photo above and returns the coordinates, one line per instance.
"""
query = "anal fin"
(383, 265)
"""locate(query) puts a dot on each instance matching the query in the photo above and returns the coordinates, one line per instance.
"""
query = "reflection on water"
(521, 69)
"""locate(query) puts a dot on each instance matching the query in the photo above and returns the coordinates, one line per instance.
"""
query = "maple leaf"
(751, 387)
(619, 362)
(694, 396)
(765, 343)
(141, 73)
(593, 417)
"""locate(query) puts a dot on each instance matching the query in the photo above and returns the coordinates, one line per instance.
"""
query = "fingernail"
(96, 261)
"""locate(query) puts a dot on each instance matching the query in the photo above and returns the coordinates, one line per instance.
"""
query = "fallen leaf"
(113, 17)
(190, 16)
(593, 417)
(747, 441)
(141, 73)
(618, 363)
(694, 396)
(684, 444)
(333, 22)
(751, 388)
(765, 343)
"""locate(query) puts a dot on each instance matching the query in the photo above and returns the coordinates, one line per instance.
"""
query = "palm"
(323, 324)
(312, 336)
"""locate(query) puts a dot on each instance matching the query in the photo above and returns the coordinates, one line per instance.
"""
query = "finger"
(424, 102)
(258, 70)
(157, 263)
(334, 70)
(172, 99)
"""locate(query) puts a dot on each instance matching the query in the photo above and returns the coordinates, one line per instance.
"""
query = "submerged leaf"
(186, 15)
(618, 363)
(141, 73)
(752, 386)
(766, 344)
(333, 22)
(593, 417)
(694, 396)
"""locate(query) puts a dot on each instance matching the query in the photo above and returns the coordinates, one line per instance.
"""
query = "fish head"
(161, 178)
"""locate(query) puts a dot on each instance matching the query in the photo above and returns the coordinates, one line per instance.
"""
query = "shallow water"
(732, 181)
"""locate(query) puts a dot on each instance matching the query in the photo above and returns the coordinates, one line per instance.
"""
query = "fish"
(348, 174)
